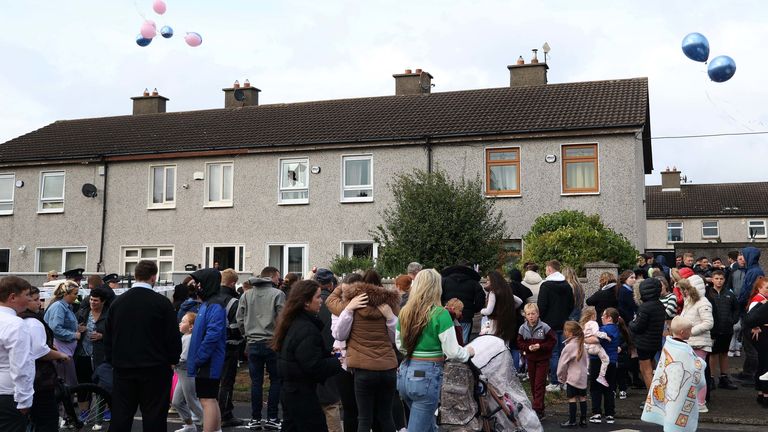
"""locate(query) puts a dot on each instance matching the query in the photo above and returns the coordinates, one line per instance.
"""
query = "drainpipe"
(428, 149)
(103, 219)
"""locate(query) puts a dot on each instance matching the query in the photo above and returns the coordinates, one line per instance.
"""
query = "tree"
(575, 239)
(438, 221)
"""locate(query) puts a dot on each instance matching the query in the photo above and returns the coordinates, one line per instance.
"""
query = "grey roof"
(707, 200)
(553, 107)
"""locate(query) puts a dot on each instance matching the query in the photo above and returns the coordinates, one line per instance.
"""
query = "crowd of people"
(348, 353)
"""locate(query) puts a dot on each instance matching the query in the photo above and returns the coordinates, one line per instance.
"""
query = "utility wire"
(710, 135)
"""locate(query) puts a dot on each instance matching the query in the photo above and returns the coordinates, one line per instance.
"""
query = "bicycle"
(95, 417)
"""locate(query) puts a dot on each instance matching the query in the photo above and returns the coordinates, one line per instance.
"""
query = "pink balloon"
(148, 29)
(193, 39)
(159, 7)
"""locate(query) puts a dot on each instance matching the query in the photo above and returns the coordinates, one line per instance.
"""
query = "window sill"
(676, 241)
(6, 213)
(218, 205)
(579, 193)
(290, 203)
(51, 211)
(356, 200)
(162, 207)
(504, 195)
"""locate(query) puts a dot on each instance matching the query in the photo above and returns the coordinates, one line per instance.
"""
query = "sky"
(78, 58)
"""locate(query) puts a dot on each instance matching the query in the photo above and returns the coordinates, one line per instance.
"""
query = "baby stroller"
(485, 395)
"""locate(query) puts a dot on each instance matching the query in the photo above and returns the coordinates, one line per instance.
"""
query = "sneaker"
(703, 408)
(764, 377)
(731, 354)
(187, 428)
(622, 395)
(725, 383)
(569, 424)
(553, 387)
(737, 353)
(601, 380)
(97, 427)
(232, 422)
(254, 424)
(597, 418)
(609, 419)
(272, 424)
(583, 422)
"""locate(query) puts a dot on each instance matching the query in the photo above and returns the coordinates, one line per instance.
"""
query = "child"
(572, 370)
(592, 336)
(602, 396)
(671, 400)
(184, 397)
(486, 324)
(455, 307)
(536, 340)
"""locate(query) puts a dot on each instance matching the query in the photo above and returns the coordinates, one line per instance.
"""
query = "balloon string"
(138, 11)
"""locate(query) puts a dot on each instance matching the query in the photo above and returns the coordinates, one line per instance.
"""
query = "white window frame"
(280, 179)
(284, 258)
(125, 259)
(9, 256)
(12, 177)
(64, 251)
(165, 204)
(239, 254)
(375, 245)
(60, 199)
(759, 223)
(682, 233)
(563, 173)
(344, 187)
(223, 202)
(717, 227)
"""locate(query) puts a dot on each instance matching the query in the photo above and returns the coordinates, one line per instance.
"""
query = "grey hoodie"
(532, 280)
(257, 312)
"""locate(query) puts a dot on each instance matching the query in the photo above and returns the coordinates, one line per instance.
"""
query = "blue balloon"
(696, 47)
(166, 32)
(721, 68)
(142, 41)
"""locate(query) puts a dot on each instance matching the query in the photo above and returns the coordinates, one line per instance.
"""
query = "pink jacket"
(569, 369)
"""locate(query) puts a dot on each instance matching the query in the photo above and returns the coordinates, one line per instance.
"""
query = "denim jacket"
(62, 321)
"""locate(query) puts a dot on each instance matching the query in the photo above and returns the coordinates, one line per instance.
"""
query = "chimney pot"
(535, 59)
(247, 83)
(520, 60)
(236, 84)
(146, 92)
(408, 71)
(154, 92)
(418, 71)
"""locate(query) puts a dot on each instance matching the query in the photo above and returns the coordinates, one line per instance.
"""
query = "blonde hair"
(576, 287)
(679, 324)
(686, 287)
(228, 276)
(455, 307)
(588, 314)
(606, 278)
(574, 330)
(531, 307)
(190, 316)
(64, 288)
(424, 296)
(675, 275)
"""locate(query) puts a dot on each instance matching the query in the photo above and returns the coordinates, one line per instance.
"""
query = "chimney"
(670, 180)
(531, 74)
(149, 103)
(413, 83)
(241, 96)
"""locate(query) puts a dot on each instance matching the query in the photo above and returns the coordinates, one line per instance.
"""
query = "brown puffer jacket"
(368, 346)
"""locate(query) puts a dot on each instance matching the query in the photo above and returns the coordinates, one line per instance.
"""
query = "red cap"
(685, 272)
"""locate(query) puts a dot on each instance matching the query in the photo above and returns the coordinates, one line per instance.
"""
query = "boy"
(536, 340)
(725, 306)
(671, 400)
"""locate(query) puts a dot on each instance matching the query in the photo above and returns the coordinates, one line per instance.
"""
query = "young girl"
(572, 370)
(184, 397)
(592, 336)
(614, 327)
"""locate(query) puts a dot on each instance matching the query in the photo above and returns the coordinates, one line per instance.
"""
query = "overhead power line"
(710, 135)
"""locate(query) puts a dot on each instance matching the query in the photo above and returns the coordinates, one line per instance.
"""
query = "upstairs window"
(294, 181)
(580, 170)
(757, 229)
(219, 179)
(357, 178)
(502, 172)
(162, 186)
(60, 259)
(710, 229)
(674, 232)
(51, 192)
(6, 193)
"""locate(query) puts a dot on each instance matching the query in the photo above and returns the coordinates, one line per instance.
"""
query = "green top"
(429, 344)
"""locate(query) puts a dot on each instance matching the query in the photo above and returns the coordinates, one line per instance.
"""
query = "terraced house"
(293, 185)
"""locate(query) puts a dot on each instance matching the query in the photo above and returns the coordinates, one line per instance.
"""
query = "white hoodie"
(533, 281)
(700, 314)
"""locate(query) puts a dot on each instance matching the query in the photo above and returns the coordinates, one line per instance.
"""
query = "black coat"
(648, 325)
(100, 327)
(555, 303)
(758, 317)
(463, 283)
(725, 310)
(603, 299)
(303, 357)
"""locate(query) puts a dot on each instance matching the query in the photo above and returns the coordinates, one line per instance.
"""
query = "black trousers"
(44, 414)
(374, 393)
(346, 386)
(146, 388)
(227, 383)
(301, 408)
(11, 419)
(599, 393)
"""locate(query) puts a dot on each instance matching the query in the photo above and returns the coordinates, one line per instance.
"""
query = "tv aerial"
(545, 48)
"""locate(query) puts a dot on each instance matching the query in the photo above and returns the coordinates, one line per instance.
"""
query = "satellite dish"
(89, 190)
(239, 95)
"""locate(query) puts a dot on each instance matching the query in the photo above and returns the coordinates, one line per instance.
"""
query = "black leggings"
(374, 393)
(599, 393)
(346, 385)
(84, 370)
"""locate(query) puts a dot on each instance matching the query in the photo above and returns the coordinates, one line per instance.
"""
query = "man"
(717, 264)
(678, 261)
(17, 368)
(142, 343)
(328, 392)
(555, 306)
(413, 269)
(752, 272)
(734, 283)
(462, 282)
(687, 261)
(257, 314)
(273, 274)
(703, 269)
(725, 307)
(232, 353)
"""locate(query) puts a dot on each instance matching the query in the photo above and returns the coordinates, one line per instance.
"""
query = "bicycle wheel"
(94, 414)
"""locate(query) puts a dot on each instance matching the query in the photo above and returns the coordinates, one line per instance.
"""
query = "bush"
(575, 239)
(438, 221)
(342, 265)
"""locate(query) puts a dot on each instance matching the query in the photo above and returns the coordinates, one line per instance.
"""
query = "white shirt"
(37, 338)
(17, 367)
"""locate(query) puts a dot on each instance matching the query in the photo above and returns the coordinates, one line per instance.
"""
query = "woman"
(607, 296)
(698, 310)
(370, 354)
(578, 293)
(502, 315)
(403, 284)
(66, 331)
(426, 336)
(602, 396)
(532, 280)
(757, 321)
(626, 296)
(303, 362)
(290, 279)
(90, 351)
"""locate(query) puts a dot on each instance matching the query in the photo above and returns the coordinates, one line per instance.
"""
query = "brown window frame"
(506, 162)
(564, 167)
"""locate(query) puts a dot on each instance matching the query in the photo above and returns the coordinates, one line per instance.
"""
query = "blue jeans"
(466, 330)
(259, 355)
(516, 359)
(555, 358)
(419, 385)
